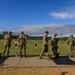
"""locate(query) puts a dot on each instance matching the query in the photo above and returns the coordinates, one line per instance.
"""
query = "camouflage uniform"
(22, 43)
(45, 46)
(54, 43)
(7, 43)
(71, 43)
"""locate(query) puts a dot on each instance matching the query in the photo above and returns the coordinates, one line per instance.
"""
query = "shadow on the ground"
(64, 60)
(2, 59)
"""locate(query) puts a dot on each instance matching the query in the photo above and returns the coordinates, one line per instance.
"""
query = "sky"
(36, 16)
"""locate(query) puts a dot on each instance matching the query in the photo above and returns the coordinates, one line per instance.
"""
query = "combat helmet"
(71, 35)
(10, 32)
(22, 32)
(46, 31)
(55, 34)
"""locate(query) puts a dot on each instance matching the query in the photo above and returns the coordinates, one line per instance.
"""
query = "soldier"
(7, 43)
(22, 43)
(54, 43)
(71, 43)
(45, 46)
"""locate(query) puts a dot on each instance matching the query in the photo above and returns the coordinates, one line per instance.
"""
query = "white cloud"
(63, 15)
(66, 13)
(38, 30)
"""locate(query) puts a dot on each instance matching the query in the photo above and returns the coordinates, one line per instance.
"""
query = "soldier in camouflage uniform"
(54, 43)
(71, 42)
(7, 43)
(22, 43)
(45, 46)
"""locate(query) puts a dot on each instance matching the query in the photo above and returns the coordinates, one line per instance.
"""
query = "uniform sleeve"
(45, 40)
(67, 41)
(4, 38)
(25, 39)
(19, 38)
(51, 41)
(74, 42)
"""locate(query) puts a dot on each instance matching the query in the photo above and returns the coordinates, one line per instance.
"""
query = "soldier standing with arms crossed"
(7, 43)
(54, 43)
(45, 46)
(22, 43)
(71, 43)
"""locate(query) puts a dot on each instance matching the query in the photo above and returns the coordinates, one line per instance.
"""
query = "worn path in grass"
(36, 62)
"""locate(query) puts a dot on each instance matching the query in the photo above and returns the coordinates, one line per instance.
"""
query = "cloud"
(38, 30)
(63, 15)
(66, 13)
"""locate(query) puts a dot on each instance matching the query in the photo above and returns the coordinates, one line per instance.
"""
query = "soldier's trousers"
(71, 50)
(23, 47)
(44, 50)
(54, 50)
(6, 48)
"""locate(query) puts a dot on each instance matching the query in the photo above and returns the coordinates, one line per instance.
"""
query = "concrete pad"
(36, 62)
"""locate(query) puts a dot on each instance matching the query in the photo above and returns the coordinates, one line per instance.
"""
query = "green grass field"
(31, 51)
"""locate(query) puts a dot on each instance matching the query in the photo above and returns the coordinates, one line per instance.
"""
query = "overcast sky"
(36, 16)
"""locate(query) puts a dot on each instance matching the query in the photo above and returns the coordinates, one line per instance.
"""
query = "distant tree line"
(13, 36)
(30, 37)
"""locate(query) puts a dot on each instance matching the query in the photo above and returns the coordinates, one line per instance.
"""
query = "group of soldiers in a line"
(54, 44)
(53, 41)
(21, 43)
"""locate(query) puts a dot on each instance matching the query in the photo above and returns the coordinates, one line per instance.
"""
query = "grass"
(31, 51)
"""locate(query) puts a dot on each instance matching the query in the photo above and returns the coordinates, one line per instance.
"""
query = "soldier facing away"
(45, 46)
(71, 43)
(22, 43)
(54, 43)
(7, 43)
